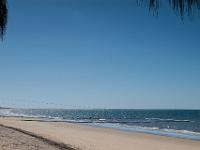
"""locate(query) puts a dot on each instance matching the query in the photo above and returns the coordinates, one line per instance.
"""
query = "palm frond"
(182, 7)
(3, 17)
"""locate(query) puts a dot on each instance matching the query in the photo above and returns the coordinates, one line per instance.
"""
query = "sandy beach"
(83, 137)
(11, 139)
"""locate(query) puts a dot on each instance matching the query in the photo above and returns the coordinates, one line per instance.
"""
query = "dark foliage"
(181, 7)
(185, 6)
(3, 17)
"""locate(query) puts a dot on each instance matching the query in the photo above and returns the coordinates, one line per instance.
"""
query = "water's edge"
(147, 125)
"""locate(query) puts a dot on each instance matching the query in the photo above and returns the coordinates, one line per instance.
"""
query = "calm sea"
(178, 123)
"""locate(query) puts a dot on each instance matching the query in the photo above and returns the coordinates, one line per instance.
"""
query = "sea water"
(177, 123)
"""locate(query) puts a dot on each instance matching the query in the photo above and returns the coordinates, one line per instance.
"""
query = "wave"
(11, 113)
(168, 120)
(152, 130)
(182, 131)
(158, 125)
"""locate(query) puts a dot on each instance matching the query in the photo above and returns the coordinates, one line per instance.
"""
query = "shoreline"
(85, 137)
(156, 122)
(151, 131)
(180, 134)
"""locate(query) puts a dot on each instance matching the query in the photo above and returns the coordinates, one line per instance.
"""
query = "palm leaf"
(3, 17)
(181, 7)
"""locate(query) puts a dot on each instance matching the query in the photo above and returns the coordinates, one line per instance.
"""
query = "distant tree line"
(181, 7)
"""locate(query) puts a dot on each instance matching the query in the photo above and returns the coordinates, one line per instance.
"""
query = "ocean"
(176, 123)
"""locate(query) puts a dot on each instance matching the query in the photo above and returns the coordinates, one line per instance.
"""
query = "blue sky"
(98, 54)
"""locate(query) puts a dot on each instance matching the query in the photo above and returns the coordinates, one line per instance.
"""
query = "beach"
(11, 139)
(83, 137)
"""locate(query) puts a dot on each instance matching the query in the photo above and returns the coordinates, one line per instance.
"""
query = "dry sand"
(91, 138)
(11, 139)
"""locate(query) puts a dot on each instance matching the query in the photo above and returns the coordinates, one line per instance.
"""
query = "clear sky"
(98, 54)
